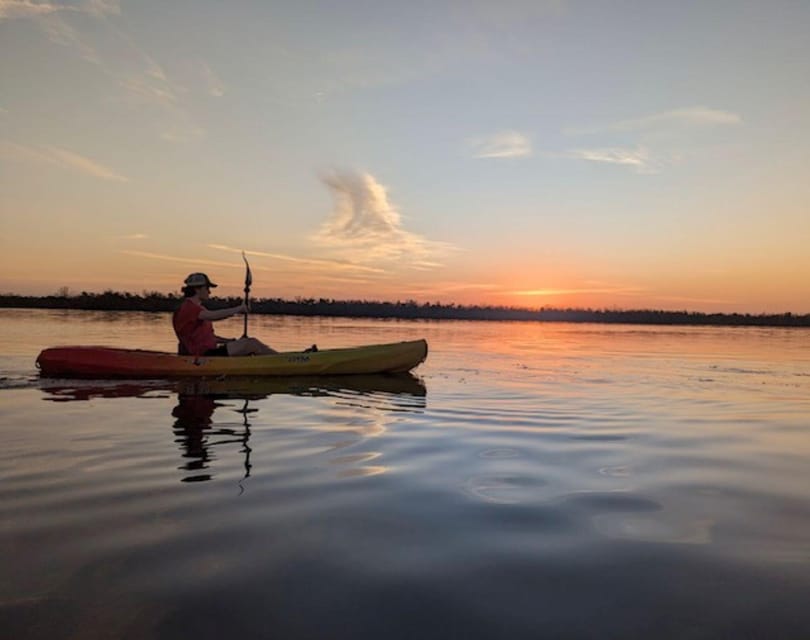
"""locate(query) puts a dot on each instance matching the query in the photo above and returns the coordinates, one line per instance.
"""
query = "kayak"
(108, 362)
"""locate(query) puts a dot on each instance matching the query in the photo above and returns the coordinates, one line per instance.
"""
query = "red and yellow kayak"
(108, 362)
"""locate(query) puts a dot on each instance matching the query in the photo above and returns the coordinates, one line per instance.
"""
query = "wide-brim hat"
(198, 280)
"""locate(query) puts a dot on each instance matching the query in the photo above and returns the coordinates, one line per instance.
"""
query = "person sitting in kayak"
(193, 324)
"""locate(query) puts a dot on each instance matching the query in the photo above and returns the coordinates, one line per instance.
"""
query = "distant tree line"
(159, 302)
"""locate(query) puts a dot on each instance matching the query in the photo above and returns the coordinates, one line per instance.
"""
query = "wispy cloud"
(141, 80)
(317, 275)
(182, 132)
(68, 159)
(212, 81)
(504, 144)
(151, 86)
(364, 227)
(134, 236)
(32, 8)
(27, 8)
(638, 158)
(62, 33)
(146, 88)
(102, 7)
(457, 287)
(661, 139)
(690, 117)
(193, 260)
(305, 262)
(614, 290)
(719, 301)
(61, 158)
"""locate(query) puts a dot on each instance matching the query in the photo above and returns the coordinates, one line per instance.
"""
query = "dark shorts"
(221, 350)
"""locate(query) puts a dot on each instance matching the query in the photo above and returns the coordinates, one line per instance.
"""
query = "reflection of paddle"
(248, 282)
(245, 447)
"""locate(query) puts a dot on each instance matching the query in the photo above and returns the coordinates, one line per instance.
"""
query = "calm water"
(530, 481)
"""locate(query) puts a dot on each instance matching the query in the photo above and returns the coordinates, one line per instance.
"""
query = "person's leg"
(248, 347)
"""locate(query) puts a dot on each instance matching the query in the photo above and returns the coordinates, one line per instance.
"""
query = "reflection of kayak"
(395, 383)
(238, 387)
(107, 362)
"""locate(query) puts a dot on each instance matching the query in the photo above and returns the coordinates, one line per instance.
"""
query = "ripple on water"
(595, 502)
(499, 453)
(629, 516)
(504, 489)
(619, 471)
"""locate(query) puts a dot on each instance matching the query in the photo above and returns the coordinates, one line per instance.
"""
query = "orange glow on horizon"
(518, 283)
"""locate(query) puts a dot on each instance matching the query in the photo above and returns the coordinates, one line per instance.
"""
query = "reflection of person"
(195, 331)
(197, 433)
(193, 415)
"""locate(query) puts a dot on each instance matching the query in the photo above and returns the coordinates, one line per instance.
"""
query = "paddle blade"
(248, 274)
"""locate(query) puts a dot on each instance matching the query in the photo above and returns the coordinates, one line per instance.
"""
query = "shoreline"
(409, 310)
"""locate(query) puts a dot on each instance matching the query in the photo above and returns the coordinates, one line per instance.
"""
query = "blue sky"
(627, 154)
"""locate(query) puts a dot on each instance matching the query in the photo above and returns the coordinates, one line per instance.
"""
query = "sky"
(551, 153)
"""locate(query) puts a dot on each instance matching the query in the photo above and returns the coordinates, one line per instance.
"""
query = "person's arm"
(221, 314)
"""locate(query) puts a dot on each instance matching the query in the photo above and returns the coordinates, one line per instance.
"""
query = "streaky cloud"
(617, 290)
(454, 287)
(214, 84)
(29, 8)
(364, 227)
(61, 158)
(142, 81)
(150, 84)
(32, 9)
(102, 7)
(315, 262)
(684, 117)
(151, 87)
(183, 132)
(68, 159)
(193, 260)
(59, 32)
(503, 144)
(696, 300)
(638, 158)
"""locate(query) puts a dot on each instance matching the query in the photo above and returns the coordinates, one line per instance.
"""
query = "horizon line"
(411, 302)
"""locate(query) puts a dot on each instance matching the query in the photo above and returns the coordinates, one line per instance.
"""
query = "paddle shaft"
(248, 282)
(244, 333)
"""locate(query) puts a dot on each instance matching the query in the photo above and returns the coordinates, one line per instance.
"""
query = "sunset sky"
(540, 153)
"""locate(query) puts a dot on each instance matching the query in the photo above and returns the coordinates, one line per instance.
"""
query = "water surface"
(530, 480)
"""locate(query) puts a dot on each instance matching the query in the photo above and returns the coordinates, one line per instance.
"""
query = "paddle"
(248, 282)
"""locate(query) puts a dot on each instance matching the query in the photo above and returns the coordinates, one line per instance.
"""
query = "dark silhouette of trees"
(155, 301)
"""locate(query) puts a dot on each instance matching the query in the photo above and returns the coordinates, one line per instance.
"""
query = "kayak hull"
(108, 362)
